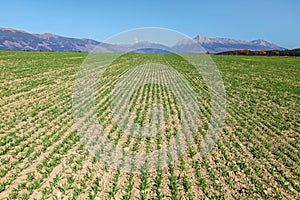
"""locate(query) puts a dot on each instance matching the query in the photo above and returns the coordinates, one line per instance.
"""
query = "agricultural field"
(42, 155)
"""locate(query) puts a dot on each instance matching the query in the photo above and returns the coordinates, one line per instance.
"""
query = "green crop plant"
(42, 152)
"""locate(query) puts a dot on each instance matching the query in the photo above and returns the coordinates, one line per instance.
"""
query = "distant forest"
(293, 52)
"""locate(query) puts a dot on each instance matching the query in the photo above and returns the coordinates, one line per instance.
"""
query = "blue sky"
(276, 21)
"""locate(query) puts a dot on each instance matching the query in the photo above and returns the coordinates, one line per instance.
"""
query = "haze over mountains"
(11, 39)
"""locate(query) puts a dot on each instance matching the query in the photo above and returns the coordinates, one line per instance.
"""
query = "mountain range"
(11, 39)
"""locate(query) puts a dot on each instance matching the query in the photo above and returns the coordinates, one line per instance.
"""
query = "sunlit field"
(256, 156)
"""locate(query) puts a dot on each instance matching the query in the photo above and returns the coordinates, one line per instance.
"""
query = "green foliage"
(259, 143)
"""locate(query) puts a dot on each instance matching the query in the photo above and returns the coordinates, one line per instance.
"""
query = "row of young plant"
(276, 155)
(253, 122)
(30, 141)
(38, 130)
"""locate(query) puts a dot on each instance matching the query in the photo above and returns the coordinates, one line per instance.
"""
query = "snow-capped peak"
(202, 39)
(260, 42)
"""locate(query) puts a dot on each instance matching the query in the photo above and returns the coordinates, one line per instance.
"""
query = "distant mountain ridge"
(11, 39)
(217, 45)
